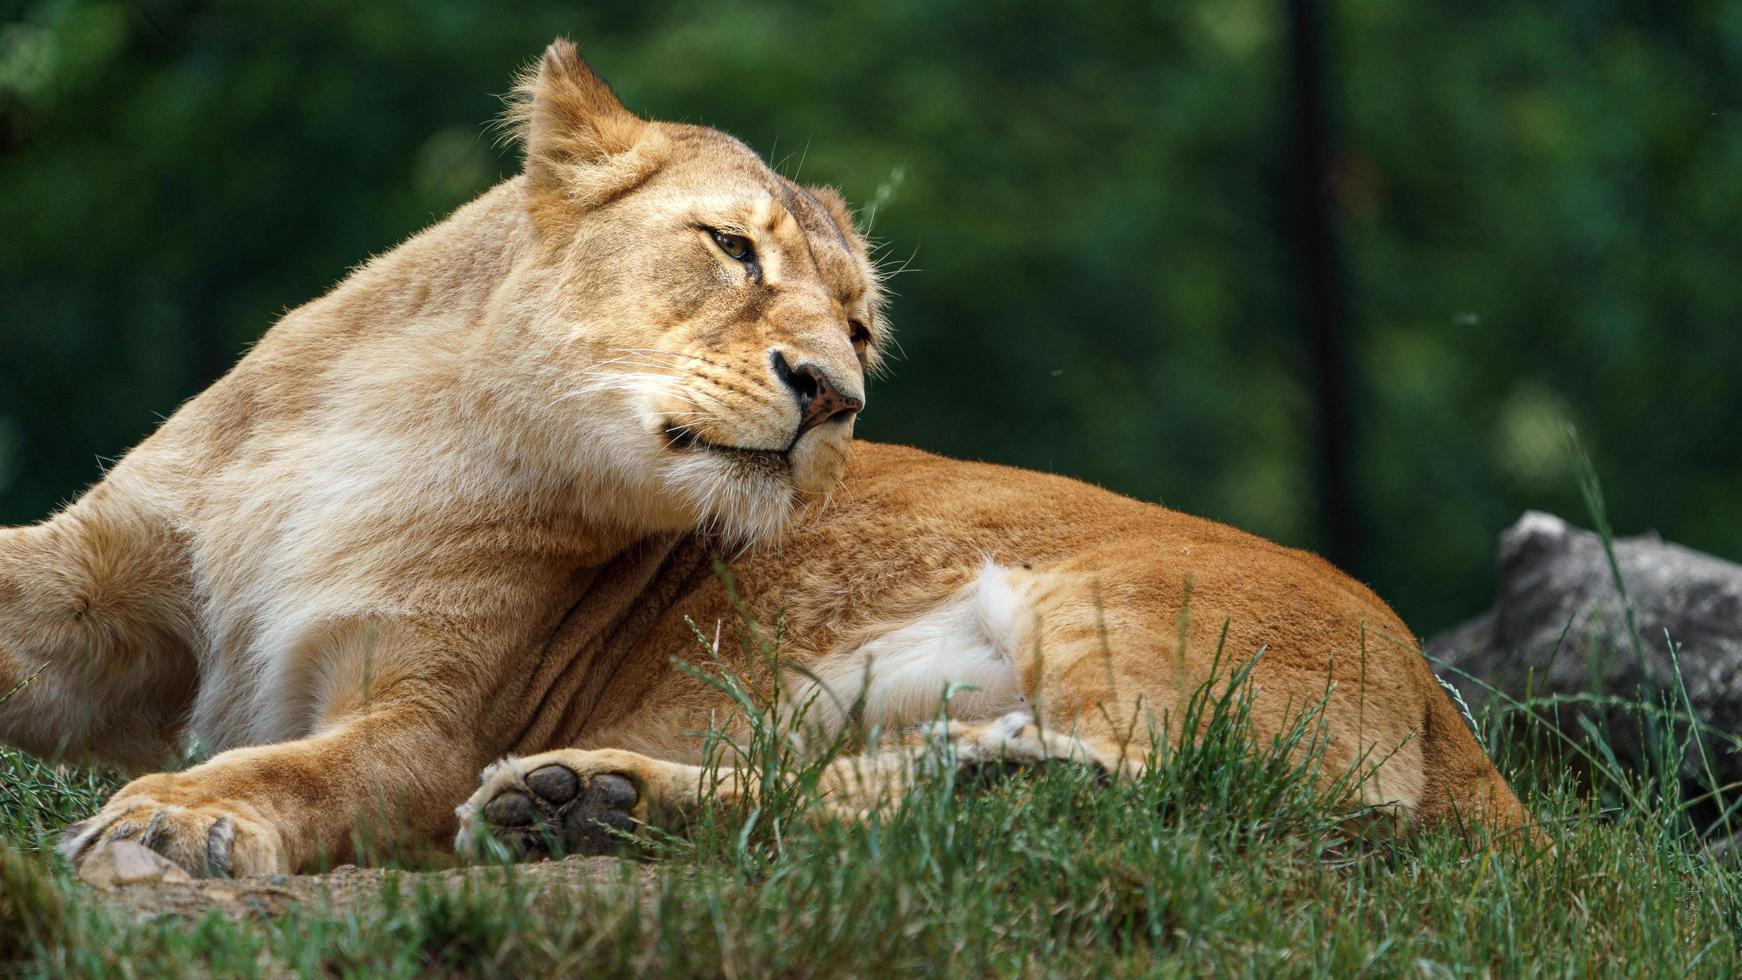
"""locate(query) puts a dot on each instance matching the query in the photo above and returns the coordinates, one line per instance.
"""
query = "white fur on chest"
(303, 544)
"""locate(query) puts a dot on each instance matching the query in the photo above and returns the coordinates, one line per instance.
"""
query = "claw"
(156, 835)
(77, 838)
(218, 842)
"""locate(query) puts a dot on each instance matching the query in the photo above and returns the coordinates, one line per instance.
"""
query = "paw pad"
(511, 809)
(560, 813)
(554, 784)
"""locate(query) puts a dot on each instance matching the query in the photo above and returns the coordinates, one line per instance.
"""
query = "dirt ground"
(135, 878)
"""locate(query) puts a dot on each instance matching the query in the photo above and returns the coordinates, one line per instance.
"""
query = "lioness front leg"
(588, 801)
(292, 806)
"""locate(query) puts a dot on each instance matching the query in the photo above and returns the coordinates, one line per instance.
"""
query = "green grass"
(1223, 860)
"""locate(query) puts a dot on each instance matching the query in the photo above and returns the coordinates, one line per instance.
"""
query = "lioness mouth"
(684, 438)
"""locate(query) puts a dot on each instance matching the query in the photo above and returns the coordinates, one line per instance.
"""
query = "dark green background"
(1540, 209)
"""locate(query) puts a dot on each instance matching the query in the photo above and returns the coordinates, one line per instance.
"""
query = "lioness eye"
(858, 333)
(735, 246)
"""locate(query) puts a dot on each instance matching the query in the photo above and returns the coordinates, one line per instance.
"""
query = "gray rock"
(1559, 627)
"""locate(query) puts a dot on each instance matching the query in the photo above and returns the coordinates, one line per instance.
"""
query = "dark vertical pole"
(1321, 300)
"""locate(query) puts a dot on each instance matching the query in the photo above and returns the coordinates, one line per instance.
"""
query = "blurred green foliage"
(1540, 206)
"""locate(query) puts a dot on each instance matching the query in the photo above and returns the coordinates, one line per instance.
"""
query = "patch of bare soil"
(140, 880)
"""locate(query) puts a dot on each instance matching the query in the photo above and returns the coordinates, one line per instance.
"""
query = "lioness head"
(713, 320)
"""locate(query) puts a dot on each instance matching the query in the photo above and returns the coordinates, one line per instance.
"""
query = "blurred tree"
(1540, 210)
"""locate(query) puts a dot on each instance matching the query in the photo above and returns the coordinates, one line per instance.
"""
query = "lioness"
(461, 509)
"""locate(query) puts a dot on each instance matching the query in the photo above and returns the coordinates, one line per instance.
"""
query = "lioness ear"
(836, 205)
(576, 132)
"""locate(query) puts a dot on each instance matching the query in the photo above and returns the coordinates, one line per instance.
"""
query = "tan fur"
(463, 505)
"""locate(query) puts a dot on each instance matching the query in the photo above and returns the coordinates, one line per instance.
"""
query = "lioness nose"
(819, 400)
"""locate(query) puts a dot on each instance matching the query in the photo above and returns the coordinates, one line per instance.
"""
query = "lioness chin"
(461, 511)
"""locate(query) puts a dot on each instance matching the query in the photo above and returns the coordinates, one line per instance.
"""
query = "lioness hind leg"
(1016, 740)
(591, 801)
(96, 628)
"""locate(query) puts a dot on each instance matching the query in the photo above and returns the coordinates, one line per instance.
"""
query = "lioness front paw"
(551, 805)
(205, 839)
